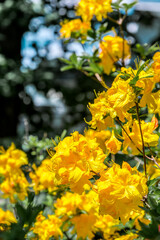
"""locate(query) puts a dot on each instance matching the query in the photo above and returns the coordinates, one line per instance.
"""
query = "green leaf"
(73, 58)
(130, 5)
(63, 134)
(149, 231)
(142, 67)
(91, 34)
(65, 68)
(134, 80)
(65, 60)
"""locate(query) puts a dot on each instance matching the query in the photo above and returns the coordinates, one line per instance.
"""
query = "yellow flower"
(116, 102)
(101, 112)
(100, 136)
(107, 225)
(140, 216)
(12, 158)
(74, 26)
(112, 51)
(45, 228)
(146, 82)
(121, 98)
(113, 145)
(153, 101)
(83, 225)
(6, 218)
(15, 186)
(71, 203)
(121, 191)
(152, 170)
(149, 137)
(82, 210)
(76, 160)
(130, 236)
(156, 66)
(89, 8)
(43, 177)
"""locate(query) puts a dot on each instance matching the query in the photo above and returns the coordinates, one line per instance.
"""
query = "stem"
(97, 77)
(112, 20)
(128, 135)
(122, 34)
(151, 159)
(143, 148)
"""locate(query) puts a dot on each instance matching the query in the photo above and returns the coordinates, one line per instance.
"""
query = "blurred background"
(35, 96)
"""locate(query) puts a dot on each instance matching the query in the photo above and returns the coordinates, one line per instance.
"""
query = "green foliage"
(145, 50)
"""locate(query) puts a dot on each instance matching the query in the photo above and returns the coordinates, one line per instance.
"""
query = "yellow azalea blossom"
(112, 51)
(130, 236)
(82, 210)
(43, 177)
(121, 98)
(113, 145)
(71, 203)
(74, 26)
(101, 112)
(12, 158)
(121, 191)
(76, 160)
(107, 225)
(146, 82)
(45, 228)
(156, 66)
(83, 225)
(153, 101)
(140, 216)
(116, 102)
(89, 8)
(149, 137)
(15, 186)
(153, 170)
(100, 136)
(6, 218)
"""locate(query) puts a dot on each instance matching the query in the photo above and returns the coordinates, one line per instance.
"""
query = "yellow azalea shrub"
(93, 186)
(111, 51)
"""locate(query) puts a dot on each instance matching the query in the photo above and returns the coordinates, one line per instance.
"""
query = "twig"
(99, 78)
(143, 148)
(128, 135)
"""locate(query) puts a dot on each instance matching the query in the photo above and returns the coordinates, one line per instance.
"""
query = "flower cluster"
(74, 26)
(43, 177)
(44, 228)
(112, 50)
(76, 160)
(89, 8)
(14, 183)
(6, 218)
